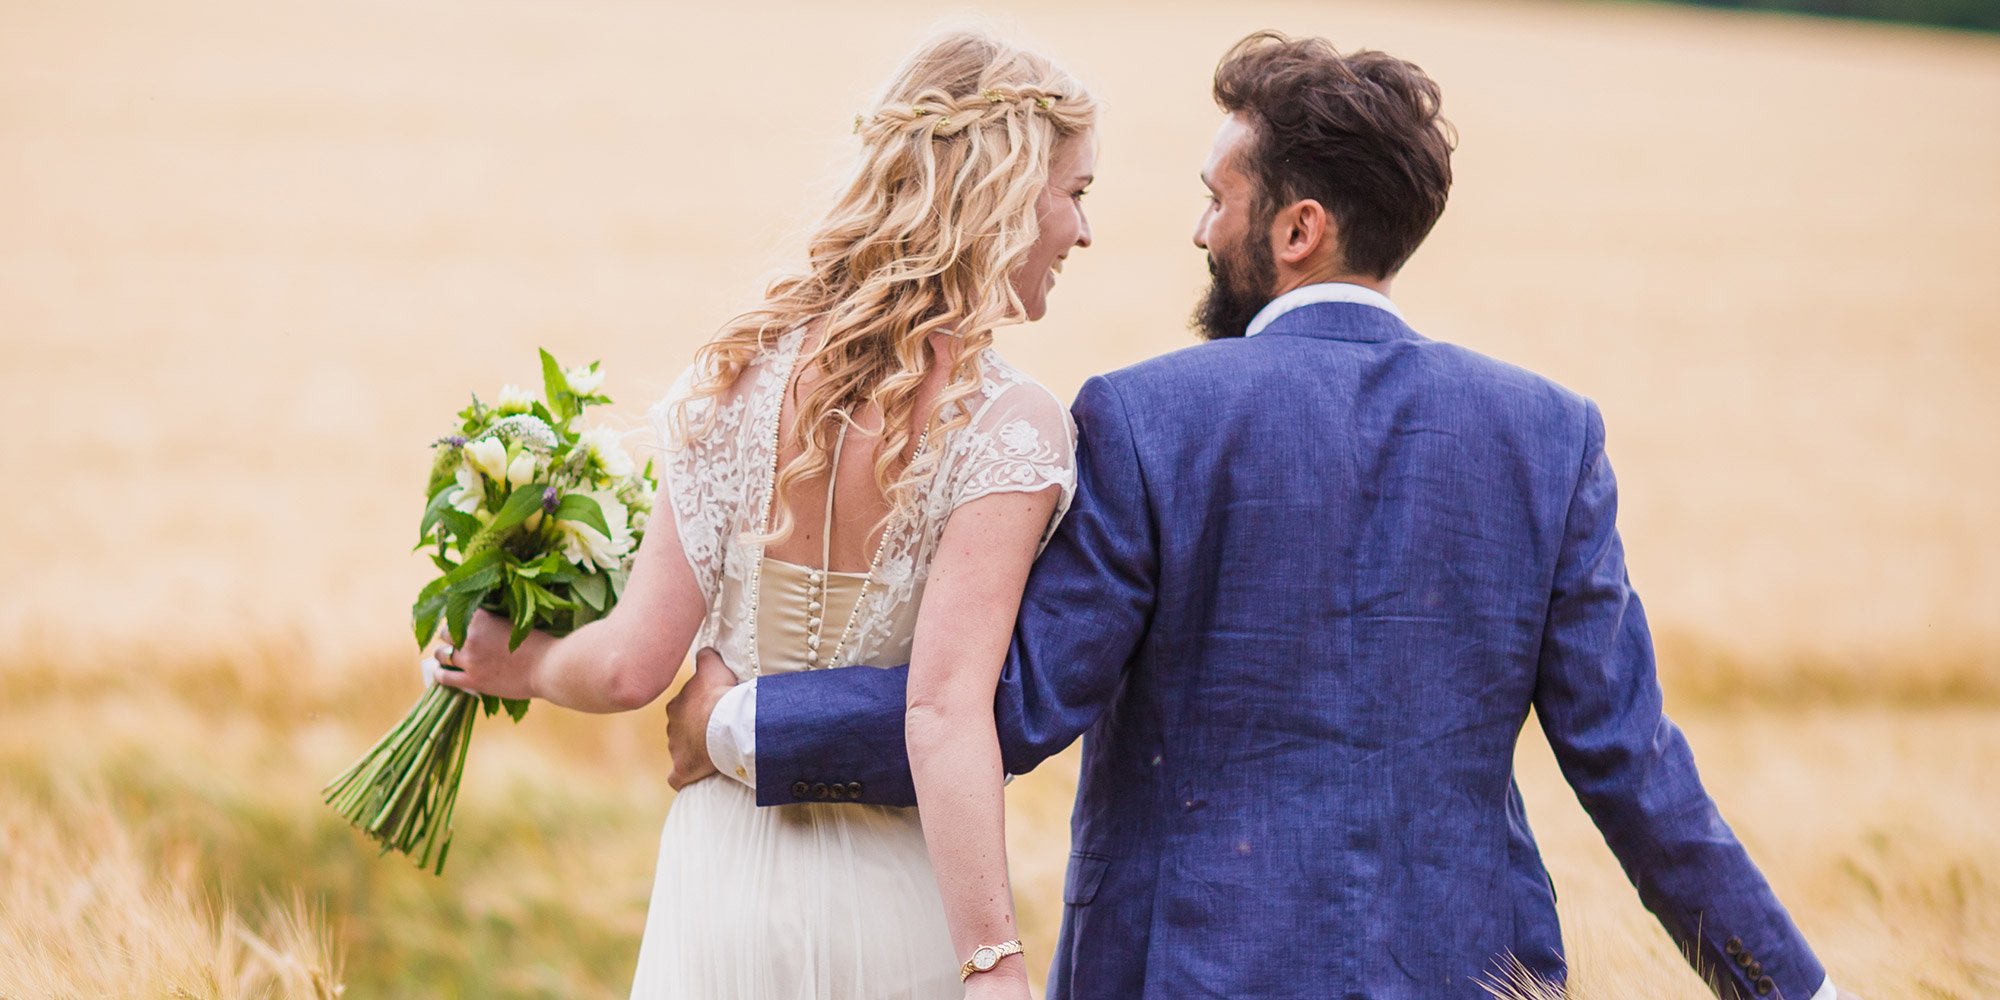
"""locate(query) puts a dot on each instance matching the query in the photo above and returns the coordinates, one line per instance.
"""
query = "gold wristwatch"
(985, 957)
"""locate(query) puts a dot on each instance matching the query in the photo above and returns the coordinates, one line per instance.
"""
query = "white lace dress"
(815, 901)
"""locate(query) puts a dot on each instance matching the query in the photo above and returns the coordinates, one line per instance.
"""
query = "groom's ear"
(1307, 236)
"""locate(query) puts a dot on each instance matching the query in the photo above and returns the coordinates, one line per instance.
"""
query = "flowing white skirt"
(795, 902)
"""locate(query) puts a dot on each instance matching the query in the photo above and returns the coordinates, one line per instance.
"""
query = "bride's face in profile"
(1063, 227)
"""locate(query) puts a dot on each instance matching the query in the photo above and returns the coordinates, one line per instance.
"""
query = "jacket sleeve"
(837, 735)
(1598, 697)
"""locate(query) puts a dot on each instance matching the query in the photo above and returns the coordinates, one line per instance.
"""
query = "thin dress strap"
(832, 478)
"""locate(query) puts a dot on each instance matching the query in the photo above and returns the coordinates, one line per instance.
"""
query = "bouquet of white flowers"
(532, 520)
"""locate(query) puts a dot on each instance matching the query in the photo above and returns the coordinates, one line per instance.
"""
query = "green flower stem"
(409, 774)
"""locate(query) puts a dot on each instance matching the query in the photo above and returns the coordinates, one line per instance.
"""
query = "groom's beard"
(1240, 281)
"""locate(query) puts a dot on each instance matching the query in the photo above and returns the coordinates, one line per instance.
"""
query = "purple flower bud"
(549, 500)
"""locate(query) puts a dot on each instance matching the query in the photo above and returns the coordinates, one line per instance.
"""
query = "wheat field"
(253, 255)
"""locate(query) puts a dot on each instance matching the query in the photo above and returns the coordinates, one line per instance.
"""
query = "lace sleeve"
(1020, 441)
(700, 474)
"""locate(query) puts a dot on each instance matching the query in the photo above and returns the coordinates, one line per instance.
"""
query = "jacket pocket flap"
(1086, 872)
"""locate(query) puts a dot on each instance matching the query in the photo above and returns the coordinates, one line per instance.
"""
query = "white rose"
(514, 399)
(487, 457)
(584, 546)
(521, 471)
(584, 381)
(604, 448)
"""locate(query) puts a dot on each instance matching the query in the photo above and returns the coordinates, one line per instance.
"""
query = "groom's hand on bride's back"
(687, 718)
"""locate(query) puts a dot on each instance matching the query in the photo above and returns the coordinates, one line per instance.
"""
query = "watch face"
(985, 958)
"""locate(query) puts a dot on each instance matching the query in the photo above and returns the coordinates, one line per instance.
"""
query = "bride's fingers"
(439, 667)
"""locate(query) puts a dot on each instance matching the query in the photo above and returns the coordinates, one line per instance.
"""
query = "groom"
(1317, 572)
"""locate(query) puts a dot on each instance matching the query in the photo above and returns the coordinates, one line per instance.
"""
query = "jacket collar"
(1351, 321)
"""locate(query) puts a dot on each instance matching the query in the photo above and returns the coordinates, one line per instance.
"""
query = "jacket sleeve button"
(1765, 986)
(1756, 969)
(819, 791)
(836, 791)
(1734, 947)
(854, 790)
(800, 789)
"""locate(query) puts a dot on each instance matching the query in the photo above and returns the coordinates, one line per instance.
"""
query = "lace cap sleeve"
(1020, 440)
(699, 473)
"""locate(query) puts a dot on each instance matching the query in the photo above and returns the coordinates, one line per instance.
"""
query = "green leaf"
(490, 704)
(424, 616)
(516, 707)
(544, 598)
(440, 502)
(584, 615)
(523, 501)
(592, 590)
(555, 388)
(585, 511)
(478, 562)
(461, 525)
(458, 609)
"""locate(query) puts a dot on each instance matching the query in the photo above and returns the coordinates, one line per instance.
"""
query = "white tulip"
(471, 490)
(487, 457)
(584, 381)
(522, 470)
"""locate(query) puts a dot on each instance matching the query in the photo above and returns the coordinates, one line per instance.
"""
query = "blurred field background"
(253, 255)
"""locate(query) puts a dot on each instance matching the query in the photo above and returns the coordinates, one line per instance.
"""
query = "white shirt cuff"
(1826, 990)
(732, 733)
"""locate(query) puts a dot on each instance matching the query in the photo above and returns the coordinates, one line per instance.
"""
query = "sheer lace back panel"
(1020, 439)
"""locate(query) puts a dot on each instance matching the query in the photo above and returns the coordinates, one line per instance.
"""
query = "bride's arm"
(963, 628)
(615, 664)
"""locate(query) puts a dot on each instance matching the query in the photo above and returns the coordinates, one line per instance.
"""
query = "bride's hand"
(484, 665)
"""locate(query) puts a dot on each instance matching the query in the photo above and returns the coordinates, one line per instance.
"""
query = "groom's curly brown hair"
(1358, 133)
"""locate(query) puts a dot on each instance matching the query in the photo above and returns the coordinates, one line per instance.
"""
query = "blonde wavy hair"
(924, 237)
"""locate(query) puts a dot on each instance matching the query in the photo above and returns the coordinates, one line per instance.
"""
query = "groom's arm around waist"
(1598, 697)
(837, 735)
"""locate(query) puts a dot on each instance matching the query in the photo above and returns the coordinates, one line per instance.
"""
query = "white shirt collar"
(1325, 291)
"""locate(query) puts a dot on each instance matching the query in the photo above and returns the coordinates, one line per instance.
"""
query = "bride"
(856, 477)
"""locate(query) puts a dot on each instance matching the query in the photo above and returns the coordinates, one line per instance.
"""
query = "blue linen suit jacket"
(1311, 585)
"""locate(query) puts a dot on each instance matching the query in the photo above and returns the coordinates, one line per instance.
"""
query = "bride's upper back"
(860, 508)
